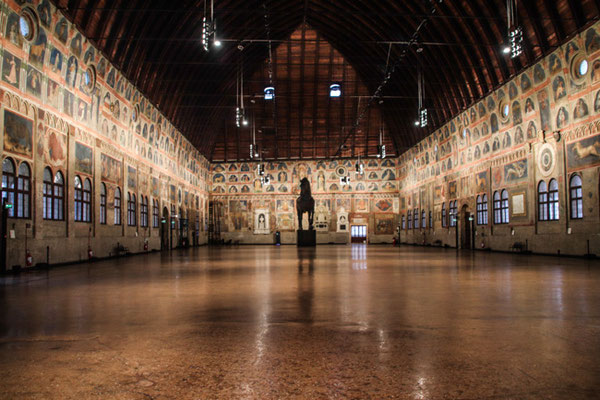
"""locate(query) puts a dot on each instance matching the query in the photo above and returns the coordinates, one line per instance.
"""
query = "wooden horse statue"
(305, 203)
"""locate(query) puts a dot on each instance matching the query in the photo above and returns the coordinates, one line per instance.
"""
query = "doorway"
(164, 229)
(358, 234)
(465, 228)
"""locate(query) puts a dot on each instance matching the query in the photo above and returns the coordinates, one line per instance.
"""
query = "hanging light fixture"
(209, 28)
(381, 147)
(422, 117)
(514, 44)
(240, 112)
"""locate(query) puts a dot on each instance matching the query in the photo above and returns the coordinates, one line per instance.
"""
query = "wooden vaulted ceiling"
(156, 44)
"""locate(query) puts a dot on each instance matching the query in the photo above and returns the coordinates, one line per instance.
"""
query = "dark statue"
(305, 203)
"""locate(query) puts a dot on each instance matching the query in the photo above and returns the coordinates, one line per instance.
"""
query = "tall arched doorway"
(466, 228)
(164, 230)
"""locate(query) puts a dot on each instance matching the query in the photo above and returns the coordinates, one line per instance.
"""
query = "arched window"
(409, 219)
(155, 214)
(47, 194)
(444, 216)
(482, 210)
(87, 200)
(404, 222)
(78, 196)
(542, 201)
(23, 191)
(103, 203)
(53, 195)
(117, 206)
(8, 185)
(416, 216)
(131, 212)
(553, 200)
(423, 219)
(58, 201)
(576, 192)
(453, 214)
(504, 207)
(143, 211)
(497, 206)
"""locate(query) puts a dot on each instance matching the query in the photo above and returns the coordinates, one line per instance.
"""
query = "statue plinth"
(306, 238)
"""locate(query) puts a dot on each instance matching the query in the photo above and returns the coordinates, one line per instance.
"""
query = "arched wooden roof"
(156, 44)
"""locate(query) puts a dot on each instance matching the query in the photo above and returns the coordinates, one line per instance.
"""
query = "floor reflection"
(315, 322)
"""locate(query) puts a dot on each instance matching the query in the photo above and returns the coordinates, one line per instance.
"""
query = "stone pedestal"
(306, 238)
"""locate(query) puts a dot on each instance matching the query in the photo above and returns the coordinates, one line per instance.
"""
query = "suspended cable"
(379, 90)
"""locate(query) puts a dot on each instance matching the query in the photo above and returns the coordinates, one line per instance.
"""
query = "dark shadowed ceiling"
(156, 44)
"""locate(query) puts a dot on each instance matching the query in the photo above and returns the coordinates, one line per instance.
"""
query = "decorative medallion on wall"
(546, 159)
(341, 171)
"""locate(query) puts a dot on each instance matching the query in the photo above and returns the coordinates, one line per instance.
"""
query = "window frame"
(423, 219)
(23, 193)
(131, 209)
(542, 200)
(576, 197)
(409, 218)
(444, 216)
(117, 206)
(102, 203)
(453, 212)
(143, 211)
(482, 209)
(155, 214)
(9, 182)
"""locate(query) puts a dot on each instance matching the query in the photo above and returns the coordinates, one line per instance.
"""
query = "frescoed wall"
(107, 132)
(542, 125)
(369, 199)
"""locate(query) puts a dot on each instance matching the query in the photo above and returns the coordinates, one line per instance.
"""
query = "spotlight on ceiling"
(417, 123)
(506, 49)
(217, 43)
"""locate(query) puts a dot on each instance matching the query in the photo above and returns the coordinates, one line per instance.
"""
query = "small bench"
(518, 246)
(119, 250)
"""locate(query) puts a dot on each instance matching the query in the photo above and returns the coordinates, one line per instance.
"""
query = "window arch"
(155, 219)
(576, 193)
(553, 202)
(504, 207)
(409, 219)
(453, 215)
(423, 219)
(47, 193)
(143, 211)
(501, 215)
(8, 184)
(482, 209)
(403, 222)
(23, 192)
(53, 195)
(131, 210)
(416, 218)
(87, 200)
(117, 206)
(542, 201)
(78, 198)
(444, 216)
(102, 203)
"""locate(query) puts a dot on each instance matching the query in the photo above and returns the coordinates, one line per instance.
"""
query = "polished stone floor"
(280, 322)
